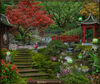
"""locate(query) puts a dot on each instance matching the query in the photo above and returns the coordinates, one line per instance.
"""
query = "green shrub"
(13, 54)
(83, 47)
(54, 48)
(41, 50)
(94, 62)
(76, 78)
(9, 73)
(44, 64)
(41, 61)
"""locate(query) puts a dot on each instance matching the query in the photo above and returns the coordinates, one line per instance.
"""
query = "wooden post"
(84, 33)
(81, 33)
(87, 36)
(7, 38)
(94, 31)
(0, 36)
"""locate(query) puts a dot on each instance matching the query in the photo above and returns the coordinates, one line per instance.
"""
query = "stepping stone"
(34, 75)
(28, 70)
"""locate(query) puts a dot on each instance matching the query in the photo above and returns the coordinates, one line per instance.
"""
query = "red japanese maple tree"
(27, 14)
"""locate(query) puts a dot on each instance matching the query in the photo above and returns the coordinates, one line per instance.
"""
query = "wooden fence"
(67, 38)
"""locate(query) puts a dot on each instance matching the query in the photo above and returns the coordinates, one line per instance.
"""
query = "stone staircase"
(23, 61)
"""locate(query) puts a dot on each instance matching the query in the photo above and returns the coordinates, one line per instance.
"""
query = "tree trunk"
(23, 40)
(29, 40)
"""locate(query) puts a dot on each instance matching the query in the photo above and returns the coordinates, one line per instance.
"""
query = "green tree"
(5, 3)
(64, 13)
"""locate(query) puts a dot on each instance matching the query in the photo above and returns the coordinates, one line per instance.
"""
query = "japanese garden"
(49, 42)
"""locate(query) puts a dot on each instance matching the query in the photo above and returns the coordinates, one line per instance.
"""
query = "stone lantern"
(95, 42)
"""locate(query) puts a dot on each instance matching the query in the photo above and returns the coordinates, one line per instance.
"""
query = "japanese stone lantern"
(95, 43)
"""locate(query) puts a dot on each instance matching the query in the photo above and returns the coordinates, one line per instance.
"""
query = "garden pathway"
(24, 63)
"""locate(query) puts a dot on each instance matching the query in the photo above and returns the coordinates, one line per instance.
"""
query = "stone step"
(22, 60)
(28, 70)
(24, 54)
(23, 63)
(18, 57)
(34, 75)
(45, 82)
(23, 51)
(24, 66)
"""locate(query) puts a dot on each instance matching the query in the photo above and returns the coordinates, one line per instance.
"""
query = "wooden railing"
(67, 38)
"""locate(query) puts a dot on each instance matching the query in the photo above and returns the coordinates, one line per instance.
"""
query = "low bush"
(13, 54)
(80, 46)
(41, 50)
(54, 48)
(74, 78)
(44, 64)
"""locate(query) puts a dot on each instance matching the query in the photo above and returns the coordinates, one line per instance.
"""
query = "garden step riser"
(28, 71)
(23, 50)
(45, 82)
(23, 61)
(24, 65)
(33, 75)
(24, 54)
(23, 58)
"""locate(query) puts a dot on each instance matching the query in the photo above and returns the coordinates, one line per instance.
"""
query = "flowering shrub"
(30, 79)
(9, 72)
(63, 71)
(93, 78)
(70, 76)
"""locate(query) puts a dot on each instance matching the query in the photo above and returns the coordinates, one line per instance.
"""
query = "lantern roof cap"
(4, 20)
(90, 20)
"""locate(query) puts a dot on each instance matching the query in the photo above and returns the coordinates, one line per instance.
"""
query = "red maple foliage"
(27, 13)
